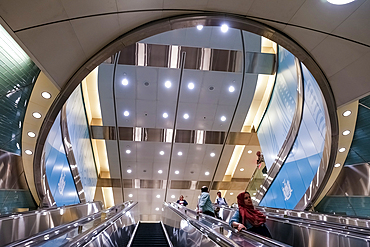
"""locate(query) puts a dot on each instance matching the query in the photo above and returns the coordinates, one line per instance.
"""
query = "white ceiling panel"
(238, 6)
(126, 105)
(230, 40)
(253, 43)
(208, 160)
(177, 148)
(187, 94)
(146, 75)
(307, 38)
(112, 155)
(128, 156)
(145, 151)
(124, 5)
(186, 108)
(166, 148)
(223, 111)
(164, 107)
(168, 94)
(105, 81)
(160, 167)
(227, 97)
(107, 112)
(146, 113)
(92, 7)
(125, 91)
(135, 170)
(196, 4)
(206, 112)
(196, 153)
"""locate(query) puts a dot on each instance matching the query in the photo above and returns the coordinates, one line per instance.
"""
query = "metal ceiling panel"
(146, 113)
(187, 94)
(146, 83)
(186, 108)
(128, 91)
(122, 106)
(168, 95)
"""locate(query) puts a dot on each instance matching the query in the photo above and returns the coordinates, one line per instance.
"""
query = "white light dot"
(191, 85)
(179, 153)
(341, 150)
(347, 113)
(340, 2)
(156, 209)
(206, 173)
(31, 134)
(36, 115)
(129, 170)
(165, 115)
(231, 193)
(249, 151)
(199, 27)
(167, 84)
(130, 195)
(212, 154)
(29, 152)
(177, 172)
(158, 196)
(337, 165)
(241, 169)
(160, 171)
(46, 95)
(186, 116)
(223, 118)
(126, 113)
(224, 28)
(254, 193)
(173, 196)
(231, 89)
(161, 152)
(128, 151)
(346, 132)
(124, 82)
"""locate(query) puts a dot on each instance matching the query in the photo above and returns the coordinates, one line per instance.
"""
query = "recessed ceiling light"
(124, 82)
(223, 118)
(165, 115)
(191, 85)
(126, 113)
(241, 169)
(254, 193)
(231, 89)
(346, 132)
(249, 151)
(156, 209)
(199, 27)
(347, 113)
(161, 152)
(36, 115)
(206, 173)
(167, 84)
(177, 172)
(173, 196)
(186, 116)
(158, 196)
(130, 195)
(340, 2)
(46, 95)
(341, 150)
(337, 165)
(160, 171)
(31, 134)
(129, 170)
(231, 193)
(128, 151)
(212, 154)
(224, 28)
(179, 153)
(29, 152)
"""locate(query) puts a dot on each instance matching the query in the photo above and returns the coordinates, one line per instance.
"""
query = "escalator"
(150, 234)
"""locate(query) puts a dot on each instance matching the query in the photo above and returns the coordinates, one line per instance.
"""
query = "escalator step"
(149, 234)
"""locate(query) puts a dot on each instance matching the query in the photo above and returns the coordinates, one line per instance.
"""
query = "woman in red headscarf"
(247, 217)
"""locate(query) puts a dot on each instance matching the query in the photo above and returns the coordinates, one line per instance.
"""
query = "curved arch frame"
(185, 21)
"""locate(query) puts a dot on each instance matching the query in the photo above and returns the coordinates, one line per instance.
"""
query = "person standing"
(182, 201)
(205, 203)
(220, 200)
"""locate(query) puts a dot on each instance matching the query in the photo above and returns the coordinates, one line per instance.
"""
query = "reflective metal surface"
(23, 225)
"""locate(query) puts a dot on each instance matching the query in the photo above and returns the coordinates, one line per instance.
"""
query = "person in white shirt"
(220, 200)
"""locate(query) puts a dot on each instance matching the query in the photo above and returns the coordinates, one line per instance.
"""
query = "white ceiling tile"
(146, 75)
(125, 91)
(227, 97)
(307, 38)
(166, 148)
(107, 110)
(128, 157)
(164, 107)
(237, 6)
(211, 80)
(168, 95)
(186, 108)
(105, 81)
(124, 5)
(223, 111)
(93, 7)
(146, 113)
(126, 105)
(187, 94)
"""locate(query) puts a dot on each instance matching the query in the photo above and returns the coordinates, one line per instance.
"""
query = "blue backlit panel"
(277, 120)
(58, 173)
(303, 161)
(81, 144)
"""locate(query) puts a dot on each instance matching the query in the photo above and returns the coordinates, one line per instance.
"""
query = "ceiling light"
(249, 151)
(129, 170)
(191, 85)
(177, 172)
(212, 154)
(29, 152)
(130, 195)
(31, 134)
(160, 171)
(340, 2)
(128, 151)
(46, 95)
(347, 113)
(124, 82)
(173, 196)
(206, 173)
(126, 113)
(341, 150)
(167, 84)
(200, 27)
(165, 115)
(231, 193)
(223, 118)
(186, 116)
(156, 209)
(254, 193)
(241, 169)
(231, 89)
(346, 132)
(224, 28)
(158, 196)
(179, 153)
(161, 152)
(36, 115)
(337, 165)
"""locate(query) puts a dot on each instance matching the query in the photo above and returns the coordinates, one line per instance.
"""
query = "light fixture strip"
(138, 132)
(200, 137)
(174, 56)
(140, 54)
(206, 59)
